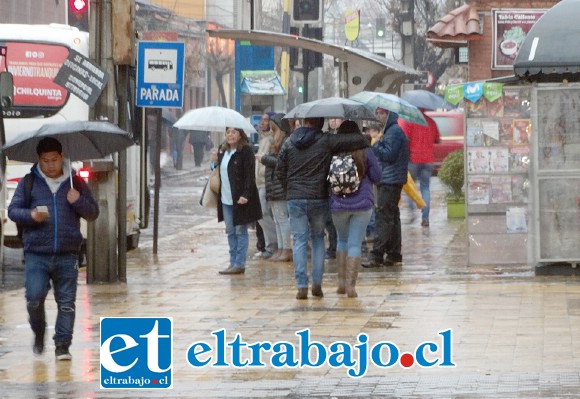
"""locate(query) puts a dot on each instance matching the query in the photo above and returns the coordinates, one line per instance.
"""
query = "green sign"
(492, 91)
(454, 94)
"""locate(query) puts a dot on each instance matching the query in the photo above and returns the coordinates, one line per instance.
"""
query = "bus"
(160, 64)
(34, 56)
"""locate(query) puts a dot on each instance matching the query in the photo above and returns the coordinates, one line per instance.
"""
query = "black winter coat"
(275, 190)
(304, 160)
(241, 172)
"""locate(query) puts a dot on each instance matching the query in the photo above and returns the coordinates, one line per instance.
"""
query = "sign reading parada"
(160, 74)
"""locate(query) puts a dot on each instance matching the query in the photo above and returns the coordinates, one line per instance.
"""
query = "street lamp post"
(371, 27)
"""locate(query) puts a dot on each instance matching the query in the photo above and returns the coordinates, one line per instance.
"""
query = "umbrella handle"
(70, 173)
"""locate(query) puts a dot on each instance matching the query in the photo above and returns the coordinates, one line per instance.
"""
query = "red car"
(452, 131)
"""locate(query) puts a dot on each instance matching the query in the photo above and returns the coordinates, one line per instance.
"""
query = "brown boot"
(276, 256)
(285, 256)
(341, 270)
(352, 266)
(302, 293)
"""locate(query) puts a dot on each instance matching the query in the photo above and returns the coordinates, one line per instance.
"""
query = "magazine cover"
(516, 102)
(521, 131)
(499, 160)
(501, 189)
(490, 129)
(478, 189)
(478, 160)
(505, 132)
(520, 188)
(519, 159)
(476, 109)
(517, 220)
(474, 132)
(493, 109)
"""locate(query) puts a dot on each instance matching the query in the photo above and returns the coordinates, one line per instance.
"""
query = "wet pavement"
(514, 334)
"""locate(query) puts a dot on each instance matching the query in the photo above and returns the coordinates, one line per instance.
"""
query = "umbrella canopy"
(391, 103)
(214, 119)
(80, 140)
(168, 115)
(426, 99)
(331, 107)
(550, 51)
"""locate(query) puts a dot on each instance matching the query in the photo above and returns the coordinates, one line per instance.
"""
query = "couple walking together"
(302, 167)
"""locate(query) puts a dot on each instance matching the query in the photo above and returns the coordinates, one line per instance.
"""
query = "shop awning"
(550, 52)
(261, 83)
(456, 28)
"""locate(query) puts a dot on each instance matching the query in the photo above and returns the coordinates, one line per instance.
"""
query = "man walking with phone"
(51, 237)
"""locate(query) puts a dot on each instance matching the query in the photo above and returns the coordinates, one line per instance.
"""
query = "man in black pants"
(392, 152)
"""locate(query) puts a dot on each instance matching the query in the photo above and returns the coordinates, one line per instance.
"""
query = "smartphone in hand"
(42, 209)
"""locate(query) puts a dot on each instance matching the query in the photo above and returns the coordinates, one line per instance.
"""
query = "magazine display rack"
(497, 170)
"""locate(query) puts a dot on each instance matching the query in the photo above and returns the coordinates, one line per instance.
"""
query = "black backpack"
(28, 182)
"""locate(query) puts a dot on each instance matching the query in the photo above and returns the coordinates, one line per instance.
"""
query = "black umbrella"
(550, 51)
(80, 140)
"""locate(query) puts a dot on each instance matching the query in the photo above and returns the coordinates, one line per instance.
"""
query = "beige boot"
(276, 256)
(285, 256)
(352, 266)
(341, 263)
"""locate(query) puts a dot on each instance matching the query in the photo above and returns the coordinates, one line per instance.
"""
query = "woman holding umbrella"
(238, 200)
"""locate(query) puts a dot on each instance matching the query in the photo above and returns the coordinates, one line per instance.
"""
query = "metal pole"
(123, 87)
(157, 179)
(3, 182)
(143, 175)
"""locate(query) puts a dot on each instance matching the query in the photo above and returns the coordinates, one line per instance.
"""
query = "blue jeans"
(371, 225)
(282, 220)
(388, 223)
(351, 229)
(421, 173)
(238, 239)
(40, 269)
(307, 219)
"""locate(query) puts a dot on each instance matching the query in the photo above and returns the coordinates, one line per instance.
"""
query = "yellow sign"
(351, 24)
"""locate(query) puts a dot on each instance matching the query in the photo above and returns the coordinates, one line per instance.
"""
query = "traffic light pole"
(305, 70)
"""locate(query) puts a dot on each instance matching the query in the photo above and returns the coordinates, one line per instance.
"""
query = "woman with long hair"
(275, 190)
(238, 200)
(351, 214)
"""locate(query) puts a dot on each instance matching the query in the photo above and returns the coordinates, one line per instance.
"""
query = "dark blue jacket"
(392, 152)
(60, 233)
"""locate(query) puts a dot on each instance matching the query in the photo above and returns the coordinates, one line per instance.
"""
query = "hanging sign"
(454, 94)
(492, 91)
(473, 91)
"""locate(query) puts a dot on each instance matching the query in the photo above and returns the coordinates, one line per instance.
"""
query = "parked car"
(451, 126)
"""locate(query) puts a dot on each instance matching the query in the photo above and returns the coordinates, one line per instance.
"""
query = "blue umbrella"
(426, 99)
(391, 103)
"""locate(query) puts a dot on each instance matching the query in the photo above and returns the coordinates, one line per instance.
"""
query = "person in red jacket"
(421, 143)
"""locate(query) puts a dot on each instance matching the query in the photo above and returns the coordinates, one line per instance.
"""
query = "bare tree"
(426, 13)
(219, 58)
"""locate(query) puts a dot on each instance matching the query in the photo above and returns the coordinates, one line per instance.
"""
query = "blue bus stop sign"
(160, 69)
